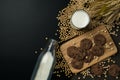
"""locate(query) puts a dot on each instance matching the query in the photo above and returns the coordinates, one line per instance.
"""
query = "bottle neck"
(50, 47)
(51, 44)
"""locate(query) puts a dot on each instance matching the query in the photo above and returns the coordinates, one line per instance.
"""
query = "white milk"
(44, 67)
(80, 19)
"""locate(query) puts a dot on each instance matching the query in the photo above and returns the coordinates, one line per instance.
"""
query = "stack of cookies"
(87, 51)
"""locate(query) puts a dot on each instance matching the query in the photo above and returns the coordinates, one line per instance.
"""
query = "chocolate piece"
(89, 57)
(86, 44)
(99, 39)
(98, 51)
(77, 64)
(72, 51)
(114, 70)
(81, 55)
(97, 69)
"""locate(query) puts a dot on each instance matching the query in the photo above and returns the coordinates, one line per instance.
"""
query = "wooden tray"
(110, 48)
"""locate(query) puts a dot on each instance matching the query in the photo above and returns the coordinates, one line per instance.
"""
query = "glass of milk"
(45, 63)
(80, 19)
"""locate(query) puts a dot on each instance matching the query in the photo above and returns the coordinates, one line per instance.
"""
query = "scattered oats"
(113, 33)
(113, 26)
(117, 30)
(97, 58)
(58, 75)
(105, 76)
(86, 57)
(105, 73)
(102, 65)
(36, 52)
(88, 63)
(84, 77)
(117, 26)
(107, 46)
(105, 31)
(91, 75)
(41, 49)
(69, 62)
(91, 36)
(101, 62)
(68, 76)
(116, 77)
(99, 76)
(110, 43)
(57, 30)
(78, 77)
(116, 35)
(54, 72)
(108, 61)
(102, 30)
(119, 43)
(46, 38)
(113, 61)
(104, 62)
(55, 34)
(111, 48)
(75, 73)
(107, 69)
(98, 31)
(94, 57)
(108, 65)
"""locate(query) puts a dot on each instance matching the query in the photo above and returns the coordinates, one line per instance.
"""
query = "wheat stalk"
(108, 10)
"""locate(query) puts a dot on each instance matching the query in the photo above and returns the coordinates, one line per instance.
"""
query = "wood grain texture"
(76, 42)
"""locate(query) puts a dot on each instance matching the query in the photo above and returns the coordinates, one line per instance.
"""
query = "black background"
(23, 26)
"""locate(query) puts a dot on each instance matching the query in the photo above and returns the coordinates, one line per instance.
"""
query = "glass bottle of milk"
(45, 63)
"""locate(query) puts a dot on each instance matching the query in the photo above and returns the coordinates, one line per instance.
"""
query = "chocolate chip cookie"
(89, 57)
(98, 51)
(77, 64)
(99, 39)
(72, 51)
(81, 55)
(86, 44)
(114, 70)
(97, 69)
